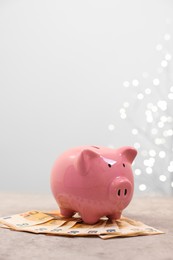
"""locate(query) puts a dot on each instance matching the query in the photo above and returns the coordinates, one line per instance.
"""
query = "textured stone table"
(156, 212)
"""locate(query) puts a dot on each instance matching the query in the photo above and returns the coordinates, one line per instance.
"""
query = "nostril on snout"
(125, 192)
(119, 192)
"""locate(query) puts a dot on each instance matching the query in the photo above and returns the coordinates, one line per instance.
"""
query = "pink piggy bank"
(95, 181)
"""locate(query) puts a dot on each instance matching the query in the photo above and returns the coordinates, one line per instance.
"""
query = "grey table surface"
(153, 211)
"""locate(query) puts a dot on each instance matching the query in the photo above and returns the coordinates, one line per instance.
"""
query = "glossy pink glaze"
(94, 181)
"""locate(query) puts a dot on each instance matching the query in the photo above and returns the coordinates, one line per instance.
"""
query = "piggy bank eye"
(124, 165)
(109, 165)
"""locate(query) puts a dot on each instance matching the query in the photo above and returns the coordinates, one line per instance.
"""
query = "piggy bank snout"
(121, 190)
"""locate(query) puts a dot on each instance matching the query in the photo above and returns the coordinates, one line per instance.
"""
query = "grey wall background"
(62, 65)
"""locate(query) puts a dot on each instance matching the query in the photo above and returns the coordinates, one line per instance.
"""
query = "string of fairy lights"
(149, 116)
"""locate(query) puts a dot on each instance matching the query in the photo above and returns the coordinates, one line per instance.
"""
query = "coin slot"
(95, 147)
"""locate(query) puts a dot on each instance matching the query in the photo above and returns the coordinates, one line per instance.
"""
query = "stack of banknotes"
(52, 223)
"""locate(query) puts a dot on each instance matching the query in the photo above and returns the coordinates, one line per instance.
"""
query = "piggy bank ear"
(129, 153)
(85, 160)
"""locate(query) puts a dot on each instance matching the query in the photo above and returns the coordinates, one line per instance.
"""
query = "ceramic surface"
(95, 181)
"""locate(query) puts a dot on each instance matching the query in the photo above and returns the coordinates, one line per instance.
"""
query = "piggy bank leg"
(116, 215)
(88, 219)
(66, 212)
